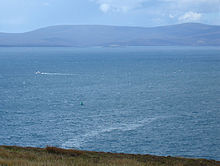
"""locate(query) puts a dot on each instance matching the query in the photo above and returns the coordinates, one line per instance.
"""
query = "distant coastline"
(188, 34)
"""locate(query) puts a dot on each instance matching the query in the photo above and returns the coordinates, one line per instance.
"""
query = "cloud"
(201, 6)
(164, 11)
(46, 4)
(104, 7)
(190, 17)
(118, 5)
(171, 16)
(205, 6)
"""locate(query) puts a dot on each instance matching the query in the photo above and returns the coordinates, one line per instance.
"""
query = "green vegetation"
(52, 156)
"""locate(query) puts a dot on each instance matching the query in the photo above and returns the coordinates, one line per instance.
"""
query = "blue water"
(148, 100)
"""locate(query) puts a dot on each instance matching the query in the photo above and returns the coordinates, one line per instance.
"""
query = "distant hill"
(188, 34)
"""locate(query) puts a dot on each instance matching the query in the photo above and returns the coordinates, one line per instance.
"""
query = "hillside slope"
(189, 34)
(51, 156)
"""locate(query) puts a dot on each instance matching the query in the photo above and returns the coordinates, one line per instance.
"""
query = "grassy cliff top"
(52, 156)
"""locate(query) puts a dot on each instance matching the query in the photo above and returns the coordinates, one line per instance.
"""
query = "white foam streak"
(79, 140)
(58, 74)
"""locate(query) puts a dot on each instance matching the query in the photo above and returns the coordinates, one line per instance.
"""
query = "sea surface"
(147, 100)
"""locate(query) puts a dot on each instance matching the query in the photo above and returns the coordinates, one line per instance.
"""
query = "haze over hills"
(188, 34)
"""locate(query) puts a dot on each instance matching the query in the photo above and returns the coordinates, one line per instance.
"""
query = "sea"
(144, 100)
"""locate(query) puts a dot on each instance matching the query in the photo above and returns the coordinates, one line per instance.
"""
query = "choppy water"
(154, 100)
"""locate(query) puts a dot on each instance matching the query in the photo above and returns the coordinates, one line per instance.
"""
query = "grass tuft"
(67, 152)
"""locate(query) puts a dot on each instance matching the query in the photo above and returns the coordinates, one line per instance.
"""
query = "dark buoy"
(81, 103)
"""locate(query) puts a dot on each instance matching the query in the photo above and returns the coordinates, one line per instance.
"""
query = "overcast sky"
(25, 15)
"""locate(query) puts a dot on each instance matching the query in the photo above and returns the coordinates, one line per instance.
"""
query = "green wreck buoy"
(81, 103)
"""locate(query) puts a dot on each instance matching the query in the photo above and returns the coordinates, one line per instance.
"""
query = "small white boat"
(38, 72)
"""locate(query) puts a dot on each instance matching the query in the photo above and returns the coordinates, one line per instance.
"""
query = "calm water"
(154, 100)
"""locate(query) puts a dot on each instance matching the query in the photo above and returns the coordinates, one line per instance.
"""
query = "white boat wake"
(56, 74)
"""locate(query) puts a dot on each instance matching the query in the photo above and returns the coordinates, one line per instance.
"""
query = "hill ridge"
(187, 34)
